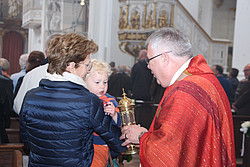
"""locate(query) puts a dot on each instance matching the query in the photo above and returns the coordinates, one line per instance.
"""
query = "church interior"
(217, 29)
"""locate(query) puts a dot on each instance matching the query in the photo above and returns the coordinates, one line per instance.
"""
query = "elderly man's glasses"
(148, 60)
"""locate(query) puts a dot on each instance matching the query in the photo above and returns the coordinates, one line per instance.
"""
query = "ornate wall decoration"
(122, 20)
(149, 21)
(183, 22)
(218, 54)
(15, 8)
(200, 44)
(32, 14)
(138, 20)
(135, 20)
(162, 19)
(53, 16)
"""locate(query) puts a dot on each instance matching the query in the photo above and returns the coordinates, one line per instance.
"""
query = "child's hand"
(110, 109)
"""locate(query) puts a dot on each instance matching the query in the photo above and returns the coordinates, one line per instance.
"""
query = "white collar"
(178, 73)
(66, 76)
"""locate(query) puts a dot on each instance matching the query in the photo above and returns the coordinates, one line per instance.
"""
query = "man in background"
(6, 103)
(22, 62)
(218, 72)
(113, 68)
(118, 81)
(141, 78)
(243, 81)
(234, 83)
(32, 79)
(4, 63)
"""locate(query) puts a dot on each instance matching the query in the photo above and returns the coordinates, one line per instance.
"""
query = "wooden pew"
(13, 131)
(11, 154)
(14, 123)
(13, 135)
(237, 121)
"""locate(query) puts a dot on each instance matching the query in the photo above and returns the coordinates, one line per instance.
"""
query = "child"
(97, 83)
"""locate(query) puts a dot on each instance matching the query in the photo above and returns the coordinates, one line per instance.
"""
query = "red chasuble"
(193, 124)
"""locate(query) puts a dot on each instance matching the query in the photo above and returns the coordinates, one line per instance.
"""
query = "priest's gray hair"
(171, 39)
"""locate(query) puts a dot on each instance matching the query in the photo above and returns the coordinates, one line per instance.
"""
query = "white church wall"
(192, 7)
(205, 14)
(223, 20)
(201, 11)
(241, 52)
(73, 17)
(103, 28)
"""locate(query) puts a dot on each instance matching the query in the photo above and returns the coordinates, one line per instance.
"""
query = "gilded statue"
(135, 20)
(122, 20)
(162, 19)
(149, 21)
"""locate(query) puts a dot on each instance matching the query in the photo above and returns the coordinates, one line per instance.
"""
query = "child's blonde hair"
(99, 66)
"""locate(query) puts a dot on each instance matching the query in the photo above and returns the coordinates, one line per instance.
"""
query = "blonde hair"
(99, 66)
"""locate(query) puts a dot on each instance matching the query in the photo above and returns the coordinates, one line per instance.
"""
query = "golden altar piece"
(138, 20)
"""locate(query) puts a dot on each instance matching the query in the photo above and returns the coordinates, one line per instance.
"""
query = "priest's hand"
(131, 134)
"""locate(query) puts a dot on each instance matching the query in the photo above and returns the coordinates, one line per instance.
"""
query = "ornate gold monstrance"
(126, 106)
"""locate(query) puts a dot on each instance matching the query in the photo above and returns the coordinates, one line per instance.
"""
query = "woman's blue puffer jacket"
(57, 121)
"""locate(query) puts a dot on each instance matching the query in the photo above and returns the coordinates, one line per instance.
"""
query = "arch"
(12, 49)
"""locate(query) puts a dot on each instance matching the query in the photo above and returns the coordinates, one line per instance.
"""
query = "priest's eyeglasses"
(148, 60)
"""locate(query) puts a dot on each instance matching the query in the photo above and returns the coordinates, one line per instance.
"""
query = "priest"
(193, 124)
